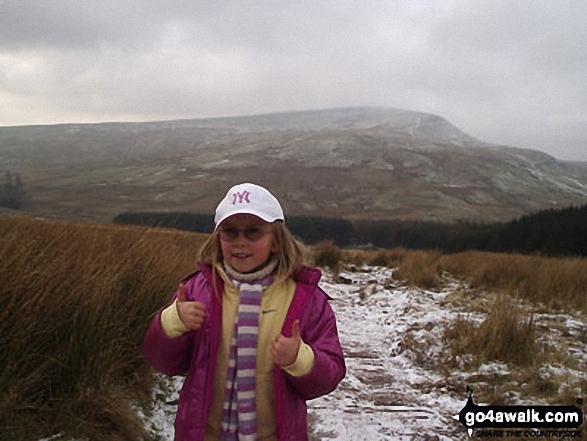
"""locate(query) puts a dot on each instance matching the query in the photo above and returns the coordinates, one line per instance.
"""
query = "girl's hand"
(284, 350)
(190, 313)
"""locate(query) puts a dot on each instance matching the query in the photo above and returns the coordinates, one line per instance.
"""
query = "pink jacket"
(194, 355)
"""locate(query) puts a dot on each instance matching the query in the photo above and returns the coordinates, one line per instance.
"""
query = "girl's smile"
(246, 242)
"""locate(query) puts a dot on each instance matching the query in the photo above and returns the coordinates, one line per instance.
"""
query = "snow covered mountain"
(375, 163)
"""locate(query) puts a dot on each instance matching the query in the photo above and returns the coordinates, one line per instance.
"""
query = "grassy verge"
(556, 283)
(75, 301)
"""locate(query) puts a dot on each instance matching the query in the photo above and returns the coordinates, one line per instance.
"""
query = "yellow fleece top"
(275, 303)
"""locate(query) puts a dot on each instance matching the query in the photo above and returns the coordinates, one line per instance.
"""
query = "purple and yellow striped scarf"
(239, 416)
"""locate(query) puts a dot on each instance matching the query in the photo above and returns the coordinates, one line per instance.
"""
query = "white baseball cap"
(250, 199)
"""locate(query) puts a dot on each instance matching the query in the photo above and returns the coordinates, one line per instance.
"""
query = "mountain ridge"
(359, 162)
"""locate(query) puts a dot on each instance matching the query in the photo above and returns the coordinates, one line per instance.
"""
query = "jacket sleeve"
(170, 356)
(319, 331)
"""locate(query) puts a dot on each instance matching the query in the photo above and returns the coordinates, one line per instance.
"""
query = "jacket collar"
(308, 275)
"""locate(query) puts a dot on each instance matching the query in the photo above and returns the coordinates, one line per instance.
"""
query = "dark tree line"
(309, 229)
(12, 192)
(550, 232)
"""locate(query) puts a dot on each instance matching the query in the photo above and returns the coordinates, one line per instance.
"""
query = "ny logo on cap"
(240, 197)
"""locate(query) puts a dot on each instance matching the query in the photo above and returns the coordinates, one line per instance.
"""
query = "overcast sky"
(505, 71)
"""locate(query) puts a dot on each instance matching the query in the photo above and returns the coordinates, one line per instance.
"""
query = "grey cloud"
(479, 63)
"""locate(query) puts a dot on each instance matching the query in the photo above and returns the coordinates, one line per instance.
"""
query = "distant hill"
(354, 163)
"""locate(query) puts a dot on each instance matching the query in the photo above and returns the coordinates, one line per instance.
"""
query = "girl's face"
(246, 242)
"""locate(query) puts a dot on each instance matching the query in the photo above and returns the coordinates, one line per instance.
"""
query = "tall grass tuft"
(75, 302)
(507, 334)
(389, 258)
(420, 268)
(327, 254)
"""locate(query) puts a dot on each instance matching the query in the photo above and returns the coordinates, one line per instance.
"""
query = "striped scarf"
(239, 417)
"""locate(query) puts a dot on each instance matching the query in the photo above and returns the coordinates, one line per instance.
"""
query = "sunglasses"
(252, 234)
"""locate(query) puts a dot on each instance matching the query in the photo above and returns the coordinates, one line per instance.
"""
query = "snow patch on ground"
(389, 333)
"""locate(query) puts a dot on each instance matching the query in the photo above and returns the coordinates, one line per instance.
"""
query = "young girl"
(251, 330)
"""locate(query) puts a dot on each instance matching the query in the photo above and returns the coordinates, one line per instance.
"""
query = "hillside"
(374, 163)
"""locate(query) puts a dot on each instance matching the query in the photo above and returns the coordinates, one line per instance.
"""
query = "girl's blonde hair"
(290, 254)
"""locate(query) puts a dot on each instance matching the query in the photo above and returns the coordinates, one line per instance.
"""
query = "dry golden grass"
(559, 283)
(75, 301)
(420, 268)
(326, 254)
(389, 258)
(507, 335)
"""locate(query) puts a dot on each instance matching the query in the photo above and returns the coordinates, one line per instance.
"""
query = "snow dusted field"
(398, 385)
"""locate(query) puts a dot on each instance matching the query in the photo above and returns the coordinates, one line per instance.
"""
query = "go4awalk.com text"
(525, 422)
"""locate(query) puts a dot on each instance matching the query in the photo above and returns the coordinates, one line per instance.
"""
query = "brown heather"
(75, 301)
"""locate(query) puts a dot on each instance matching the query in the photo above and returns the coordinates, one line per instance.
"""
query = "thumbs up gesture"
(284, 350)
(190, 313)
